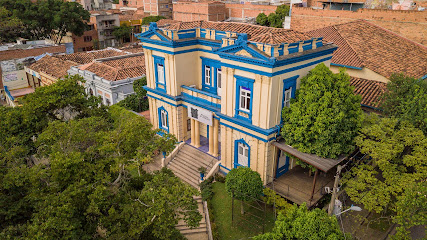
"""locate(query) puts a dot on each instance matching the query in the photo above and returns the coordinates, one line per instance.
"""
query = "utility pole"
(334, 191)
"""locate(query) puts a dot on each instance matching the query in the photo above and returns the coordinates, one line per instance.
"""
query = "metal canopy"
(323, 164)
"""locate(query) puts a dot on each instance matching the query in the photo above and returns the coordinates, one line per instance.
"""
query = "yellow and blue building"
(221, 87)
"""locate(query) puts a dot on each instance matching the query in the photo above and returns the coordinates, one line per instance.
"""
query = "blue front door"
(282, 164)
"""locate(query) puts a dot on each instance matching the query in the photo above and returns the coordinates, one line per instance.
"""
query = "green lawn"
(241, 229)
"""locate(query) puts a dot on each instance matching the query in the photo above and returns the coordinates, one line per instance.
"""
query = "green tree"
(10, 26)
(262, 19)
(411, 209)
(325, 117)
(71, 17)
(275, 20)
(48, 18)
(244, 184)
(85, 181)
(406, 99)
(283, 10)
(137, 102)
(122, 32)
(398, 165)
(299, 223)
(149, 19)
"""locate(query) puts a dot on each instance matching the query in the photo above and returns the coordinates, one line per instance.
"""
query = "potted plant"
(202, 171)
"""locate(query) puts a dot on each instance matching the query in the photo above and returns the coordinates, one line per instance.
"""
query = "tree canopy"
(137, 102)
(10, 26)
(47, 18)
(299, 223)
(325, 116)
(244, 184)
(397, 166)
(122, 32)
(406, 99)
(274, 19)
(149, 19)
(70, 168)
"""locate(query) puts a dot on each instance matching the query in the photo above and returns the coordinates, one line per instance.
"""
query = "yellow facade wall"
(365, 73)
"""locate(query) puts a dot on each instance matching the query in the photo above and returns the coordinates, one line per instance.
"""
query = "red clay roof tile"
(365, 44)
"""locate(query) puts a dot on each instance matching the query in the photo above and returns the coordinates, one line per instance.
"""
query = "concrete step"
(197, 155)
(189, 172)
(202, 227)
(195, 151)
(193, 181)
(193, 231)
(183, 160)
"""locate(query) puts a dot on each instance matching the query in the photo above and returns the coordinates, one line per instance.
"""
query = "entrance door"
(282, 164)
(242, 154)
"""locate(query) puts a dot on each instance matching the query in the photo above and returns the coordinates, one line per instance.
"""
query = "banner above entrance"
(200, 114)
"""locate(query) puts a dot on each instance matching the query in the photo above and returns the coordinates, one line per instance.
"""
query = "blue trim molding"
(346, 66)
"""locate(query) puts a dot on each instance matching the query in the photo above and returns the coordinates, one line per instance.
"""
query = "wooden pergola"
(322, 164)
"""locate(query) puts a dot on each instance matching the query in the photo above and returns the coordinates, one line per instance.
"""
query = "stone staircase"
(186, 163)
(199, 233)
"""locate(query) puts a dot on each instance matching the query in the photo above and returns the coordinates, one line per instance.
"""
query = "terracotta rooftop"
(118, 69)
(255, 33)
(164, 22)
(52, 66)
(127, 17)
(369, 90)
(364, 44)
(87, 57)
(23, 53)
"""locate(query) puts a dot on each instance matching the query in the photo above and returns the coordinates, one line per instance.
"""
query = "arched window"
(163, 119)
(242, 152)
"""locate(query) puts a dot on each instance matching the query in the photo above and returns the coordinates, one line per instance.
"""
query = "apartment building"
(151, 7)
(104, 23)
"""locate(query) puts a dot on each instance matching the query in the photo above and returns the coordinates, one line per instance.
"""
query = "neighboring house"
(112, 78)
(49, 68)
(348, 5)
(221, 87)
(95, 4)
(13, 59)
(104, 23)
(195, 11)
(371, 54)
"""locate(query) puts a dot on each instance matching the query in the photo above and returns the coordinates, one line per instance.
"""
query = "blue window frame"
(244, 98)
(159, 70)
(210, 74)
(289, 88)
(242, 154)
(163, 119)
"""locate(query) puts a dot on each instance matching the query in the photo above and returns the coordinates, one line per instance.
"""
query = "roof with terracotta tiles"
(255, 33)
(369, 90)
(87, 57)
(52, 66)
(362, 43)
(23, 53)
(118, 69)
(164, 22)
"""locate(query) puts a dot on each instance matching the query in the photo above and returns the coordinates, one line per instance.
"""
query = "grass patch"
(241, 229)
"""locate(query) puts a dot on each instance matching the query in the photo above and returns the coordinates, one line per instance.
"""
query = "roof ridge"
(351, 47)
